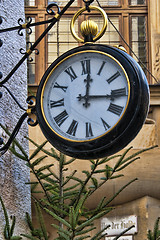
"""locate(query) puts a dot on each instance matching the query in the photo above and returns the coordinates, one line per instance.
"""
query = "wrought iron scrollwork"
(32, 121)
(29, 46)
(50, 10)
(26, 25)
(31, 100)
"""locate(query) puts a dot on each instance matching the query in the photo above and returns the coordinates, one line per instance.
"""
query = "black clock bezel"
(126, 129)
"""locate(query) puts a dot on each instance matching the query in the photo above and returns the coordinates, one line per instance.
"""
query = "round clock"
(92, 101)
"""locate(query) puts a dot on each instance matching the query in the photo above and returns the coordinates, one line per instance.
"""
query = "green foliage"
(64, 194)
(9, 228)
(155, 235)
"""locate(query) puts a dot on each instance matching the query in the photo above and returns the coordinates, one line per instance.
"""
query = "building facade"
(134, 24)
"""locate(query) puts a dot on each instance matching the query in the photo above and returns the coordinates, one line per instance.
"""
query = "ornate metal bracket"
(31, 111)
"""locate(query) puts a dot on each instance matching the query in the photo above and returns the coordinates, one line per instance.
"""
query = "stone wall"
(13, 172)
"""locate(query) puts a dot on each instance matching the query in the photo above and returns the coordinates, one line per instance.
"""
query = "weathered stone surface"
(13, 172)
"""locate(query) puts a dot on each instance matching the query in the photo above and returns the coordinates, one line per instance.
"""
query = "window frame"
(123, 11)
(147, 40)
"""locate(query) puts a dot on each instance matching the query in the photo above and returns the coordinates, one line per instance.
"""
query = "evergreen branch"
(80, 205)
(118, 192)
(149, 235)
(43, 176)
(121, 159)
(60, 229)
(93, 212)
(29, 236)
(117, 176)
(90, 221)
(12, 226)
(53, 206)
(39, 180)
(41, 221)
(37, 161)
(61, 220)
(128, 163)
(29, 221)
(54, 175)
(107, 159)
(15, 238)
(156, 226)
(7, 226)
(70, 161)
(85, 231)
(69, 178)
(44, 150)
(64, 236)
(72, 218)
(46, 167)
(96, 236)
(138, 153)
(54, 154)
(16, 142)
(93, 167)
(38, 149)
(12, 149)
(71, 187)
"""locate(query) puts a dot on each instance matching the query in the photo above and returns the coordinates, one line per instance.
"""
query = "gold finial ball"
(89, 27)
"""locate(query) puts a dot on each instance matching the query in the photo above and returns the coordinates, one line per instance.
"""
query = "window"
(122, 14)
(63, 2)
(60, 39)
(29, 3)
(137, 2)
(139, 38)
(111, 37)
(107, 3)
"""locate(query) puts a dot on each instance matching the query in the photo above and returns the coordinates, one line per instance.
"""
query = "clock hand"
(114, 94)
(86, 96)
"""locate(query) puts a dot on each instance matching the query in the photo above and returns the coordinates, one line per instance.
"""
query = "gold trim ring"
(100, 34)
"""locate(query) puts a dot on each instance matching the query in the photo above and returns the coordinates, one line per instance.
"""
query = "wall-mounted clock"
(92, 101)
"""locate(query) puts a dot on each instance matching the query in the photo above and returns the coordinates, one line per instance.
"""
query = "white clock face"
(85, 96)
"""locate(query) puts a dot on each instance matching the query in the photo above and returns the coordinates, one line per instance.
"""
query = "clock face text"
(85, 96)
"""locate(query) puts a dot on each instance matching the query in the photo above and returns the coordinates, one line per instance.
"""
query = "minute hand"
(111, 96)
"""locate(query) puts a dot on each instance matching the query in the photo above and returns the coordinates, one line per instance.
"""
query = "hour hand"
(86, 96)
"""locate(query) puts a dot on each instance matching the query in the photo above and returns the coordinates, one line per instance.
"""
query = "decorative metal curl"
(31, 100)
(49, 9)
(25, 25)
(20, 21)
(29, 20)
(29, 46)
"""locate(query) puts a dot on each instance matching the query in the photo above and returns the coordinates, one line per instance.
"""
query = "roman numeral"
(106, 125)
(118, 92)
(117, 74)
(116, 109)
(89, 132)
(100, 70)
(85, 67)
(71, 73)
(64, 88)
(72, 128)
(57, 103)
(60, 118)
